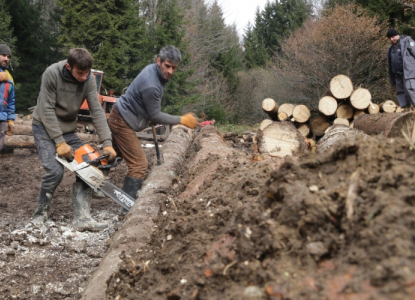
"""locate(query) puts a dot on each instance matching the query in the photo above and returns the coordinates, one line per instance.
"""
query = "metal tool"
(160, 158)
(88, 165)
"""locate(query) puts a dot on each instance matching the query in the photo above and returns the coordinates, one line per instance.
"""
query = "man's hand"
(64, 150)
(4, 76)
(111, 152)
(190, 120)
(10, 127)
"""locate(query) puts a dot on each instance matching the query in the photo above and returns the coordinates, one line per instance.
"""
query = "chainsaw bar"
(117, 195)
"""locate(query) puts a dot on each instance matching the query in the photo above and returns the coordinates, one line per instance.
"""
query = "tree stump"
(335, 134)
(271, 108)
(360, 98)
(327, 106)
(301, 113)
(281, 139)
(391, 125)
(341, 87)
(345, 111)
(388, 106)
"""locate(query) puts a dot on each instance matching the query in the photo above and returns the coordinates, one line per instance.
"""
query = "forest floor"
(339, 225)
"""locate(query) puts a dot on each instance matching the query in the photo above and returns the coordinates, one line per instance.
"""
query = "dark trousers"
(46, 148)
(3, 129)
(405, 91)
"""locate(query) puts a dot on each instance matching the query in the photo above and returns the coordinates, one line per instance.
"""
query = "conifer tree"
(256, 54)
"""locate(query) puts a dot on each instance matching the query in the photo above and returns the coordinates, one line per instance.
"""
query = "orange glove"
(4, 76)
(111, 152)
(64, 150)
(190, 120)
(10, 127)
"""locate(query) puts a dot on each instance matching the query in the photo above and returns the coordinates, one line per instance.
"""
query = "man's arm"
(152, 101)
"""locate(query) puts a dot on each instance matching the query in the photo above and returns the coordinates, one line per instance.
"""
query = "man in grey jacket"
(65, 85)
(133, 111)
(401, 64)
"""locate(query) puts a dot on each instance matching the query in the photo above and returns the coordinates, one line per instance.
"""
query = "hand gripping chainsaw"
(88, 165)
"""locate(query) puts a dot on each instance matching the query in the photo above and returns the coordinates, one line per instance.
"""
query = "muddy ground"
(339, 225)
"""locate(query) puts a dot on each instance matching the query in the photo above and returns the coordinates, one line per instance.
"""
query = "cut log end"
(341, 87)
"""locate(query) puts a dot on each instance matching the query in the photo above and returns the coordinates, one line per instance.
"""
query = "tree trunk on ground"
(335, 134)
(301, 113)
(360, 98)
(344, 111)
(319, 125)
(388, 106)
(281, 139)
(286, 108)
(373, 109)
(265, 123)
(341, 87)
(139, 223)
(391, 125)
(19, 141)
(271, 108)
(327, 106)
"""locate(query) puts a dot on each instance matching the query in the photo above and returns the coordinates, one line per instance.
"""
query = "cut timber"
(282, 116)
(271, 108)
(304, 129)
(286, 108)
(319, 125)
(22, 130)
(344, 111)
(373, 109)
(301, 113)
(327, 106)
(341, 87)
(341, 121)
(281, 139)
(265, 123)
(19, 141)
(360, 98)
(358, 113)
(391, 125)
(388, 106)
(335, 134)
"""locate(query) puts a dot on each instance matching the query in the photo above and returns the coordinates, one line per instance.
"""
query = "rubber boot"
(43, 204)
(81, 203)
(131, 186)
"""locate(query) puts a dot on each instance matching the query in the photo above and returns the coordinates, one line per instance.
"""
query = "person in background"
(7, 100)
(65, 85)
(139, 105)
(401, 64)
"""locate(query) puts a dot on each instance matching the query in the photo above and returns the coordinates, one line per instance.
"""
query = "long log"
(301, 113)
(281, 139)
(341, 87)
(19, 141)
(390, 125)
(335, 134)
(319, 125)
(271, 108)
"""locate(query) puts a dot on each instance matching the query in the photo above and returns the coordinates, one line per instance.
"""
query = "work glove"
(4, 76)
(111, 152)
(64, 150)
(190, 120)
(10, 127)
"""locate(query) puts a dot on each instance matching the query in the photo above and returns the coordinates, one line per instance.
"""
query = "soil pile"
(337, 225)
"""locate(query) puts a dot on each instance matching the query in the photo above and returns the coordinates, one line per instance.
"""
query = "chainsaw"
(89, 166)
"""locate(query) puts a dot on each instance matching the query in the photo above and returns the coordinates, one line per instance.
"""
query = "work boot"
(81, 203)
(43, 204)
(130, 187)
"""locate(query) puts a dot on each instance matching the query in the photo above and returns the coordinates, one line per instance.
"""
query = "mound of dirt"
(337, 225)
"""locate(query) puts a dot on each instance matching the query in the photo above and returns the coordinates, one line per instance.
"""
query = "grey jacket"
(59, 101)
(142, 102)
(408, 54)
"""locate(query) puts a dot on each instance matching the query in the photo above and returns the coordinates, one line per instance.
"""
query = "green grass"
(236, 128)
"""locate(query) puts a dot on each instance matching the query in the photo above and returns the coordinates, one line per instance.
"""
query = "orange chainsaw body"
(86, 154)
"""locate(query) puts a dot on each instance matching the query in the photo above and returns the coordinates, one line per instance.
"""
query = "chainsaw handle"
(104, 167)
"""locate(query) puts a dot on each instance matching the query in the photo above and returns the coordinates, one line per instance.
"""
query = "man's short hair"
(171, 53)
(80, 58)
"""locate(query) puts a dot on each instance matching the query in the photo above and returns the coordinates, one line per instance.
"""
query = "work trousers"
(3, 129)
(127, 145)
(46, 148)
(405, 91)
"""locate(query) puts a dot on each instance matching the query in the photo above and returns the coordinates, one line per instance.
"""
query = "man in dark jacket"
(7, 101)
(65, 85)
(133, 111)
(401, 63)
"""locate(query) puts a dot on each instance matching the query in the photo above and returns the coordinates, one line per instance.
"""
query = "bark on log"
(265, 123)
(286, 108)
(271, 108)
(373, 109)
(281, 139)
(22, 130)
(341, 121)
(344, 111)
(341, 87)
(19, 141)
(360, 98)
(230, 134)
(391, 125)
(319, 125)
(335, 134)
(139, 223)
(304, 129)
(301, 113)
(358, 113)
(327, 106)
(388, 106)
